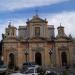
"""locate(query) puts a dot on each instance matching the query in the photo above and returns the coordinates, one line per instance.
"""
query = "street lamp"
(50, 53)
(26, 54)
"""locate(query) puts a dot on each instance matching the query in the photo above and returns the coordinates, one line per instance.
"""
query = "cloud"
(67, 19)
(17, 4)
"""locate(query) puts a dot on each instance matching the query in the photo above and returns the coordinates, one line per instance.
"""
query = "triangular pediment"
(36, 19)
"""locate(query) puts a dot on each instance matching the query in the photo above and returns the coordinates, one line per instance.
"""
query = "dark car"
(26, 65)
(3, 67)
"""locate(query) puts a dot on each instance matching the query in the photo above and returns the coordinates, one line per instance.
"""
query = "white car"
(3, 68)
(32, 71)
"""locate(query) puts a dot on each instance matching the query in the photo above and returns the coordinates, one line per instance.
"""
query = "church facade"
(36, 42)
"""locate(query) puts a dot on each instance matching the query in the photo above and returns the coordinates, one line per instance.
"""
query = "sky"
(55, 11)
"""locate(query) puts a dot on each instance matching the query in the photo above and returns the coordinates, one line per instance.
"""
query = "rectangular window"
(37, 31)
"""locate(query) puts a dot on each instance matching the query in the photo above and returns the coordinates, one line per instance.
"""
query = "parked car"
(26, 65)
(3, 68)
(33, 71)
(29, 71)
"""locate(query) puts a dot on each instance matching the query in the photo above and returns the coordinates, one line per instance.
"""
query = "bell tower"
(10, 31)
(61, 32)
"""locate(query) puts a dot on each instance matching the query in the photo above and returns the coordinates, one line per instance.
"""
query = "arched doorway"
(11, 61)
(38, 58)
(64, 58)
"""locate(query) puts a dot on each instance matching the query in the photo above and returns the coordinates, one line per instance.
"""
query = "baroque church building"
(36, 42)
